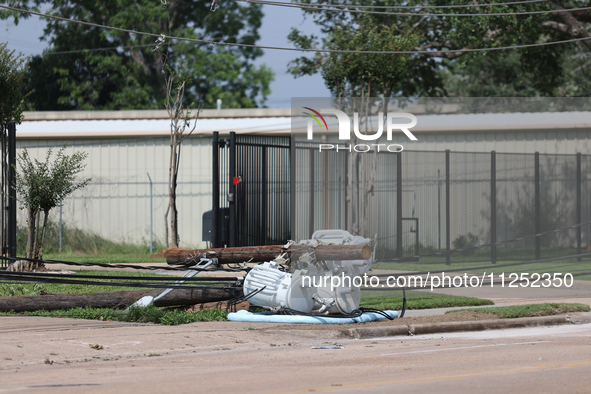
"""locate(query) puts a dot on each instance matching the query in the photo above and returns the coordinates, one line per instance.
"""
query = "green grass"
(76, 241)
(150, 314)
(416, 300)
(105, 258)
(530, 310)
(563, 266)
(503, 254)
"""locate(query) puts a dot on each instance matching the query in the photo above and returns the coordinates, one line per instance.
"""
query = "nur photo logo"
(344, 129)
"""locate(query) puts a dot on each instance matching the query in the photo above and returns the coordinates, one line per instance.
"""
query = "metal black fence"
(420, 203)
(8, 193)
(251, 190)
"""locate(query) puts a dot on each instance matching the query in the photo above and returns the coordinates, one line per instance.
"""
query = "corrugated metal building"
(128, 153)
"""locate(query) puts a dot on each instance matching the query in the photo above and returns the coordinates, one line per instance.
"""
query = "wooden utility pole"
(268, 253)
(116, 299)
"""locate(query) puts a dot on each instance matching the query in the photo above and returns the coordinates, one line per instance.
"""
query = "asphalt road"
(50, 355)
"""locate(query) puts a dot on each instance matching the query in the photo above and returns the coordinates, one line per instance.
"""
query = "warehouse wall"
(116, 204)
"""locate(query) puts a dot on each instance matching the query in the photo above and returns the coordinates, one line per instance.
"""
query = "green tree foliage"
(510, 74)
(92, 68)
(41, 186)
(556, 70)
(348, 74)
(12, 74)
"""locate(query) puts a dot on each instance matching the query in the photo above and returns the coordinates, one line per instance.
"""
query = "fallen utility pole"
(258, 254)
(116, 299)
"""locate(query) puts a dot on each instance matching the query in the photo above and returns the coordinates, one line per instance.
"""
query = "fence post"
(264, 199)
(447, 210)
(151, 217)
(438, 210)
(292, 187)
(61, 229)
(493, 206)
(11, 189)
(399, 205)
(215, 189)
(537, 204)
(579, 200)
(232, 192)
(311, 207)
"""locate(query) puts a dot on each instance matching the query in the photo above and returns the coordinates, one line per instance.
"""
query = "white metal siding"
(116, 204)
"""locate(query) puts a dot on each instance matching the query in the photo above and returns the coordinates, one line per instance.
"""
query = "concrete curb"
(477, 325)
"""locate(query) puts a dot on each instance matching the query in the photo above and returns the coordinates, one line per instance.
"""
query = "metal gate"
(8, 193)
(252, 190)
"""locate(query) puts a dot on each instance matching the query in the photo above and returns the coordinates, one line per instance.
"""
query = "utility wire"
(19, 274)
(318, 50)
(412, 7)
(98, 49)
(325, 8)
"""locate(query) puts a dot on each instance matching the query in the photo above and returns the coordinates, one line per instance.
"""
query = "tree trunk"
(166, 226)
(117, 299)
(268, 253)
(26, 266)
(174, 219)
(32, 222)
(45, 219)
(36, 232)
(172, 180)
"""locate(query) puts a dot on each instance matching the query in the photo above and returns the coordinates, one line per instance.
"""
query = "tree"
(180, 130)
(556, 70)
(92, 68)
(383, 33)
(12, 74)
(511, 74)
(41, 186)
(355, 80)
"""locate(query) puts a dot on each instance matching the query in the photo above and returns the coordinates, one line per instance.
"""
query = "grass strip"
(417, 300)
(149, 314)
(529, 310)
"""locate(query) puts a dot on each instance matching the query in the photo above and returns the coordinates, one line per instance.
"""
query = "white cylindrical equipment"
(281, 289)
(341, 289)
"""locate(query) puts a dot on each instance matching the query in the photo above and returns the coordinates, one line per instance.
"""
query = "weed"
(11, 290)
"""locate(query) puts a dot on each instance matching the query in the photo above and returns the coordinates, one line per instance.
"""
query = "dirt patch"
(449, 317)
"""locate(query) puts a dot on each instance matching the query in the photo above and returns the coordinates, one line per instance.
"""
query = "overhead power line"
(412, 7)
(319, 50)
(98, 49)
(326, 8)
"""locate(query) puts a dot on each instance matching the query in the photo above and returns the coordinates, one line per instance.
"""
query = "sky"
(26, 38)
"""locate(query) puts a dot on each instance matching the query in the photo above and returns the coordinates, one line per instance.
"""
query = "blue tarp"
(265, 317)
